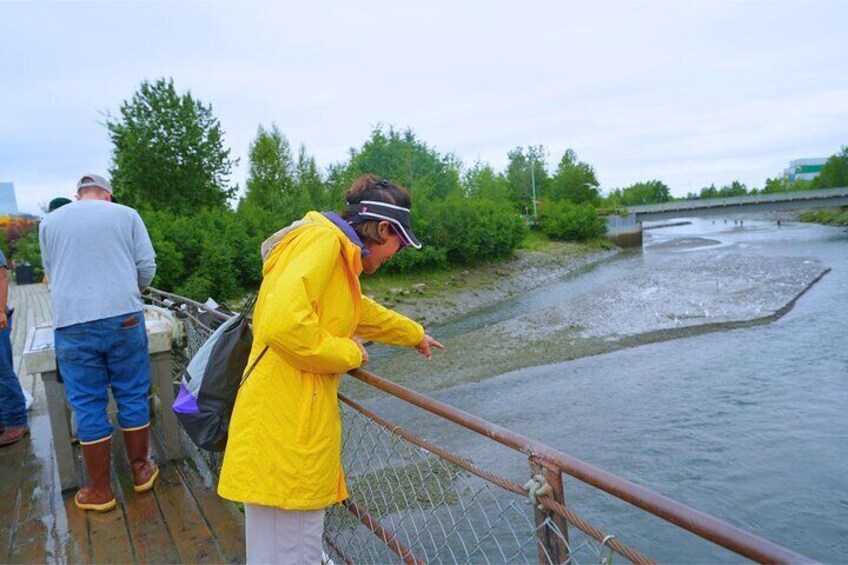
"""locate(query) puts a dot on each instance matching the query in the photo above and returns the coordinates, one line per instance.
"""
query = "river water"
(748, 425)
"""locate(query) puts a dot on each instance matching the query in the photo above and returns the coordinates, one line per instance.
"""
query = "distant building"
(8, 203)
(804, 169)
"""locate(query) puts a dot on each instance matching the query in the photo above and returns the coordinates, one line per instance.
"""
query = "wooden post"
(68, 474)
(162, 379)
(553, 544)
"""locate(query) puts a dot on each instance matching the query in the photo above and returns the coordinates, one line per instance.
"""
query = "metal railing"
(768, 198)
(416, 502)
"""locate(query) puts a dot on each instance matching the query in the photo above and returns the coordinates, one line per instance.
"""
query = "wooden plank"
(55, 396)
(74, 544)
(109, 540)
(33, 549)
(194, 540)
(224, 519)
(108, 535)
(150, 536)
(36, 490)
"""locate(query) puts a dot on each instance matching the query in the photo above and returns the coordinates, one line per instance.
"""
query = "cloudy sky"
(688, 92)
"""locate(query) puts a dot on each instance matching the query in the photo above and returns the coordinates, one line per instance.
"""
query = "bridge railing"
(739, 200)
(416, 502)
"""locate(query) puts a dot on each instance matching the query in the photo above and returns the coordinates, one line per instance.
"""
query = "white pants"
(284, 537)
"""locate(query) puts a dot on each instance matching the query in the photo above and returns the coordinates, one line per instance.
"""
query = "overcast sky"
(690, 93)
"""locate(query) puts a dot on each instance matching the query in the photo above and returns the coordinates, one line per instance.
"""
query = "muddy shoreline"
(733, 291)
(434, 303)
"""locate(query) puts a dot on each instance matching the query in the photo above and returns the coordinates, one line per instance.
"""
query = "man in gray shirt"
(98, 257)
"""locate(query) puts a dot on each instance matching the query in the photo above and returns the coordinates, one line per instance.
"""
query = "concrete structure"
(624, 231)
(805, 199)
(804, 169)
(8, 202)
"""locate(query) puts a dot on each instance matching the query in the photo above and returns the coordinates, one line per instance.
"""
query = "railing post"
(553, 540)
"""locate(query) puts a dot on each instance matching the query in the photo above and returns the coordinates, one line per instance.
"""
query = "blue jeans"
(105, 353)
(12, 403)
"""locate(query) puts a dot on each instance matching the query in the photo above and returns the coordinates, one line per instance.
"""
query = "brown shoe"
(145, 472)
(13, 435)
(98, 495)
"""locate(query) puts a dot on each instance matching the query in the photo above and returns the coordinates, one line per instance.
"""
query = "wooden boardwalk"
(181, 520)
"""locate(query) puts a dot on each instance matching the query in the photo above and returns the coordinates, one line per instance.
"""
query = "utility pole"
(533, 185)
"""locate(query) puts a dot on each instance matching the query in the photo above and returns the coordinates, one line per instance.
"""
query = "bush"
(460, 231)
(570, 222)
(26, 250)
(201, 255)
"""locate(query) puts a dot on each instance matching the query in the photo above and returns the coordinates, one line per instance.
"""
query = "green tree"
(168, 152)
(272, 178)
(650, 192)
(709, 192)
(834, 173)
(526, 168)
(735, 188)
(574, 180)
(481, 181)
(309, 182)
(403, 159)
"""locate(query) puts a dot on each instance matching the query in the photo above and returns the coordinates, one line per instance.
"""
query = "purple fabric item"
(347, 229)
(185, 402)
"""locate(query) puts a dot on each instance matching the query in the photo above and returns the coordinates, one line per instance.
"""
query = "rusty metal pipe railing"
(584, 526)
(387, 536)
(699, 523)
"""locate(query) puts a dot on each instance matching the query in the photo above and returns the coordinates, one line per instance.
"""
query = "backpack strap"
(245, 311)
(249, 304)
(253, 365)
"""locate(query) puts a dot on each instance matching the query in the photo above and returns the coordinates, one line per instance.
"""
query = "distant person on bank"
(13, 415)
(98, 257)
(283, 456)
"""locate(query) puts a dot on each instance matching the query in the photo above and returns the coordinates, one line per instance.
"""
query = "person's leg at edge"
(128, 365)
(13, 416)
(78, 348)
(273, 535)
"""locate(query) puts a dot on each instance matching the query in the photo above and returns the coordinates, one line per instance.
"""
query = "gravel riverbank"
(707, 292)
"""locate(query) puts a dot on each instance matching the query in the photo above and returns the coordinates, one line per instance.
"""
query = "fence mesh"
(437, 509)
(427, 507)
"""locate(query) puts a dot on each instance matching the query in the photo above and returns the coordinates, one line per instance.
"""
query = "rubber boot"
(98, 495)
(145, 472)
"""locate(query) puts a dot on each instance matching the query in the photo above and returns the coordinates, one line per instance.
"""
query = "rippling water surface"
(748, 425)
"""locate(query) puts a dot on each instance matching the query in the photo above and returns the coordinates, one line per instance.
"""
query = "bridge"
(825, 198)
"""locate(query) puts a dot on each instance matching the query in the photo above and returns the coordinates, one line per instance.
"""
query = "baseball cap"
(94, 180)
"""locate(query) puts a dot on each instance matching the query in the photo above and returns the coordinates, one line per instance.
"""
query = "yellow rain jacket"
(284, 446)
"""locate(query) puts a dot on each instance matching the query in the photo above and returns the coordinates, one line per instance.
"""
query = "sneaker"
(13, 435)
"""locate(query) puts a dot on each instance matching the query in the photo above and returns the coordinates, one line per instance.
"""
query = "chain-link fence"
(414, 502)
(433, 506)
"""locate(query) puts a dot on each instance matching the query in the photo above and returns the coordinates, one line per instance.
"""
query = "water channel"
(748, 425)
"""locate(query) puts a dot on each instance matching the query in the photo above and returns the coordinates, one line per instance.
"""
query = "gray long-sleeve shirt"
(96, 255)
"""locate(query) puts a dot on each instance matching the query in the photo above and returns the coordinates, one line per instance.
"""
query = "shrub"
(571, 222)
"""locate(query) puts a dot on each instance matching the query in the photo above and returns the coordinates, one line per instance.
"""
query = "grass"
(829, 216)
(383, 284)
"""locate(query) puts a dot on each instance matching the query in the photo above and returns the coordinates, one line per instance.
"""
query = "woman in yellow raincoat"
(283, 456)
